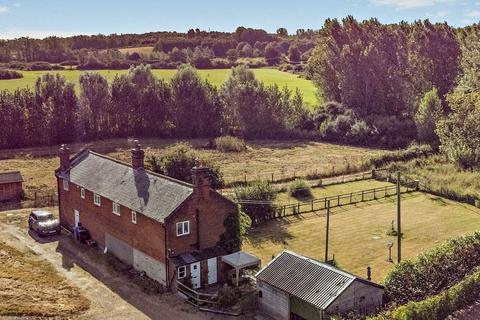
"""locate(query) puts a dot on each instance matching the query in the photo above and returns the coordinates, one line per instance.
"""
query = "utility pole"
(399, 221)
(328, 227)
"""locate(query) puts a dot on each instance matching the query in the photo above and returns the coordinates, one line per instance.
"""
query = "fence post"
(312, 204)
(362, 195)
(298, 208)
(350, 198)
(374, 194)
(272, 177)
(338, 200)
(245, 178)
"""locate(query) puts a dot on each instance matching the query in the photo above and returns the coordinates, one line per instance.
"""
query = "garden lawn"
(215, 76)
(358, 233)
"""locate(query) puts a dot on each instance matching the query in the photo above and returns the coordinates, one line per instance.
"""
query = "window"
(134, 217)
(82, 193)
(183, 228)
(65, 185)
(116, 208)
(181, 272)
(97, 200)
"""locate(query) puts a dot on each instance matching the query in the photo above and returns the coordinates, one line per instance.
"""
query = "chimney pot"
(138, 156)
(64, 154)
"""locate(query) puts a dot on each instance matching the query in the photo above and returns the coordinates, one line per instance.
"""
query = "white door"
(76, 214)
(195, 275)
(212, 270)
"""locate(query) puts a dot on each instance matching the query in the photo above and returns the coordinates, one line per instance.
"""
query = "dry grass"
(260, 160)
(358, 233)
(32, 287)
(141, 50)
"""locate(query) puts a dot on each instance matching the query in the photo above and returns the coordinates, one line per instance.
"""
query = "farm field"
(263, 157)
(358, 233)
(144, 50)
(215, 76)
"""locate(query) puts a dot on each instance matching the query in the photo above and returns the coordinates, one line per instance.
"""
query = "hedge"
(414, 151)
(439, 306)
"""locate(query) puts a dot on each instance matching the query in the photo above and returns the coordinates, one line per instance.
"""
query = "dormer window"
(97, 200)
(183, 228)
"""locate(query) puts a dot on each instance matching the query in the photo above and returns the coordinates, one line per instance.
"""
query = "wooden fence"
(197, 298)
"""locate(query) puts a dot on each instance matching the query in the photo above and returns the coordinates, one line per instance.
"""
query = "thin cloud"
(473, 14)
(14, 33)
(408, 4)
(4, 9)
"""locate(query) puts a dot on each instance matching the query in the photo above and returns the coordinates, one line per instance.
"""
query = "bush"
(229, 144)
(300, 189)
(433, 271)
(10, 74)
(439, 306)
(228, 296)
(414, 151)
(257, 191)
(236, 225)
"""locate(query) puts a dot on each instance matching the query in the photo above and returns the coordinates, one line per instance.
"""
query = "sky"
(41, 18)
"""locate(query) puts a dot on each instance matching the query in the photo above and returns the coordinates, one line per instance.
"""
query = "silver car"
(43, 223)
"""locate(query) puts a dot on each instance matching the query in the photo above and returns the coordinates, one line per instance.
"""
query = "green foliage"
(433, 271)
(300, 189)
(294, 55)
(10, 74)
(236, 226)
(430, 111)
(257, 191)
(414, 151)
(440, 306)
(459, 133)
(228, 296)
(272, 55)
(177, 162)
(229, 144)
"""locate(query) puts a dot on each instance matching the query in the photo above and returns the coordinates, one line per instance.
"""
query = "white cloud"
(442, 13)
(3, 9)
(473, 13)
(13, 33)
(408, 4)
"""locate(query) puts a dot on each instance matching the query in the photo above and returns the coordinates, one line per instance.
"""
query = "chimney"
(201, 180)
(64, 154)
(138, 156)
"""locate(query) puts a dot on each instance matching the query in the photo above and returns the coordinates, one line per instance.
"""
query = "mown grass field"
(358, 233)
(140, 50)
(215, 76)
(261, 159)
(32, 287)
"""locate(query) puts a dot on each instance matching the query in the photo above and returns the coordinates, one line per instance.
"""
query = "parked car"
(43, 223)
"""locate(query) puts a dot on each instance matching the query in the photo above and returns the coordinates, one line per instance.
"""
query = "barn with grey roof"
(293, 286)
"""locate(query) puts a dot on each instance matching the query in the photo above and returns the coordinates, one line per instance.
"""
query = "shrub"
(257, 191)
(300, 189)
(229, 144)
(236, 225)
(10, 74)
(439, 306)
(414, 151)
(228, 296)
(433, 271)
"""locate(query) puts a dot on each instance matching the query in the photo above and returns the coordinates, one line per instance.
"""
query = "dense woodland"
(200, 48)
(388, 85)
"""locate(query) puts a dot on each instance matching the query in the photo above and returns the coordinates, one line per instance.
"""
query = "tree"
(257, 191)
(94, 105)
(236, 226)
(294, 55)
(429, 112)
(232, 55)
(272, 55)
(282, 32)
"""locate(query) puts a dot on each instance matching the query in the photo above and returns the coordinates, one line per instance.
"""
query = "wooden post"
(272, 177)
(399, 221)
(362, 195)
(326, 235)
(245, 178)
(237, 274)
(298, 206)
(312, 204)
(350, 198)
(338, 200)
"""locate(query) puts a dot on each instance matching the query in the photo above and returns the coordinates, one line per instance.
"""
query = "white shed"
(293, 286)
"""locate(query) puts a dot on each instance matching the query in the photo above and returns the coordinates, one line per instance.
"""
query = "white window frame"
(184, 272)
(116, 208)
(82, 193)
(185, 226)
(65, 184)
(134, 217)
(97, 200)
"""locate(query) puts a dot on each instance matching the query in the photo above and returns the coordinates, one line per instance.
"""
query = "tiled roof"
(307, 279)
(156, 196)
(10, 177)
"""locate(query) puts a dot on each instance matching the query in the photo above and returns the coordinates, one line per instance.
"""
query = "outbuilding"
(11, 186)
(293, 286)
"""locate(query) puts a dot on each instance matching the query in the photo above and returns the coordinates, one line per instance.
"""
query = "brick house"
(165, 227)
(11, 186)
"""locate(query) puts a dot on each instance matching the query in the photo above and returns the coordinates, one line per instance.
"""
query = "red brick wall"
(212, 213)
(147, 235)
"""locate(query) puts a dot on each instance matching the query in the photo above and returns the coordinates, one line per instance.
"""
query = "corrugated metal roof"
(308, 279)
(11, 177)
(151, 194)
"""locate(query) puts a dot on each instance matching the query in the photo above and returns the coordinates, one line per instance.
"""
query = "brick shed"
(11, 185)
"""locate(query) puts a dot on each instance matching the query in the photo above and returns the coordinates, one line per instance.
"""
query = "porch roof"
(241, 259)
(195, 256)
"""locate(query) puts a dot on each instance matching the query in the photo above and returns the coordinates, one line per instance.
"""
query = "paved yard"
(111, 293)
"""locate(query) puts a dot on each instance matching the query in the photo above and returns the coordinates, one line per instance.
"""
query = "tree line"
(138, 104)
